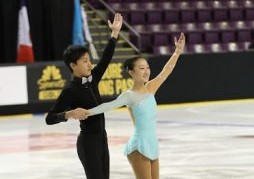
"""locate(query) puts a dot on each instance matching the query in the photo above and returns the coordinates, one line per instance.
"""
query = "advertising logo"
(51, 83)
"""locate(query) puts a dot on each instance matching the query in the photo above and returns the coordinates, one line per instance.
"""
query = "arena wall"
(33, 88)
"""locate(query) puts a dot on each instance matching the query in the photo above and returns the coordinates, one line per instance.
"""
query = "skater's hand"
(180, 43)
(116, 25)
(78, 114)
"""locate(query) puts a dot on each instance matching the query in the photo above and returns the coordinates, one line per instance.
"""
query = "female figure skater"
(142, 149)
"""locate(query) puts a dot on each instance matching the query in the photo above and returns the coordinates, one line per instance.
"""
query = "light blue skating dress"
(144, 111)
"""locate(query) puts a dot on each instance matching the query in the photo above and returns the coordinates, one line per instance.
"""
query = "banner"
(46, 81)
(13, 85)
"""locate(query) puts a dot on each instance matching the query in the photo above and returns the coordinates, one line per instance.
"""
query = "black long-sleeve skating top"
(85, 96)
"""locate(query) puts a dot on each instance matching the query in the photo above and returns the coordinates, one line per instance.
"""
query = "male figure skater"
(82, 93)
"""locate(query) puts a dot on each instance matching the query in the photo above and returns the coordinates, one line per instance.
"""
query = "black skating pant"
(94, 154)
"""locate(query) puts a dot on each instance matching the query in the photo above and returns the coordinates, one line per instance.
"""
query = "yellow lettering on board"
(122, 85)
(106, 87)
(113, 71)
(49, 94)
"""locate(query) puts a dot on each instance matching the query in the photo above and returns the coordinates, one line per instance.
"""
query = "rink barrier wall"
(33, 88)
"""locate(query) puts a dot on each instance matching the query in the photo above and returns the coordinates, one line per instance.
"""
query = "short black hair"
(73, 53)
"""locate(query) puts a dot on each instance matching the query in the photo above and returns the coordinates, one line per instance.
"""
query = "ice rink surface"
(208, 140)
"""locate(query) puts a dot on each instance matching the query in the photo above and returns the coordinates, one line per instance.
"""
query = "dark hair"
(129, 63)
(73, 53)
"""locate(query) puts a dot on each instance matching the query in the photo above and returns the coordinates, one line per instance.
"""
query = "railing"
(131, 29)
(98, 30)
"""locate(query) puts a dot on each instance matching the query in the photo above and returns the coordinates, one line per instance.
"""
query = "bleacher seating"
(209, 25)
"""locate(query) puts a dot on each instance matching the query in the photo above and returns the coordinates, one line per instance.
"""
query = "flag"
(81, 34)
(24, 49)
(77, 33)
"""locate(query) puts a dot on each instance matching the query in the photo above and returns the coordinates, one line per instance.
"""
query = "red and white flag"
(25, 49)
